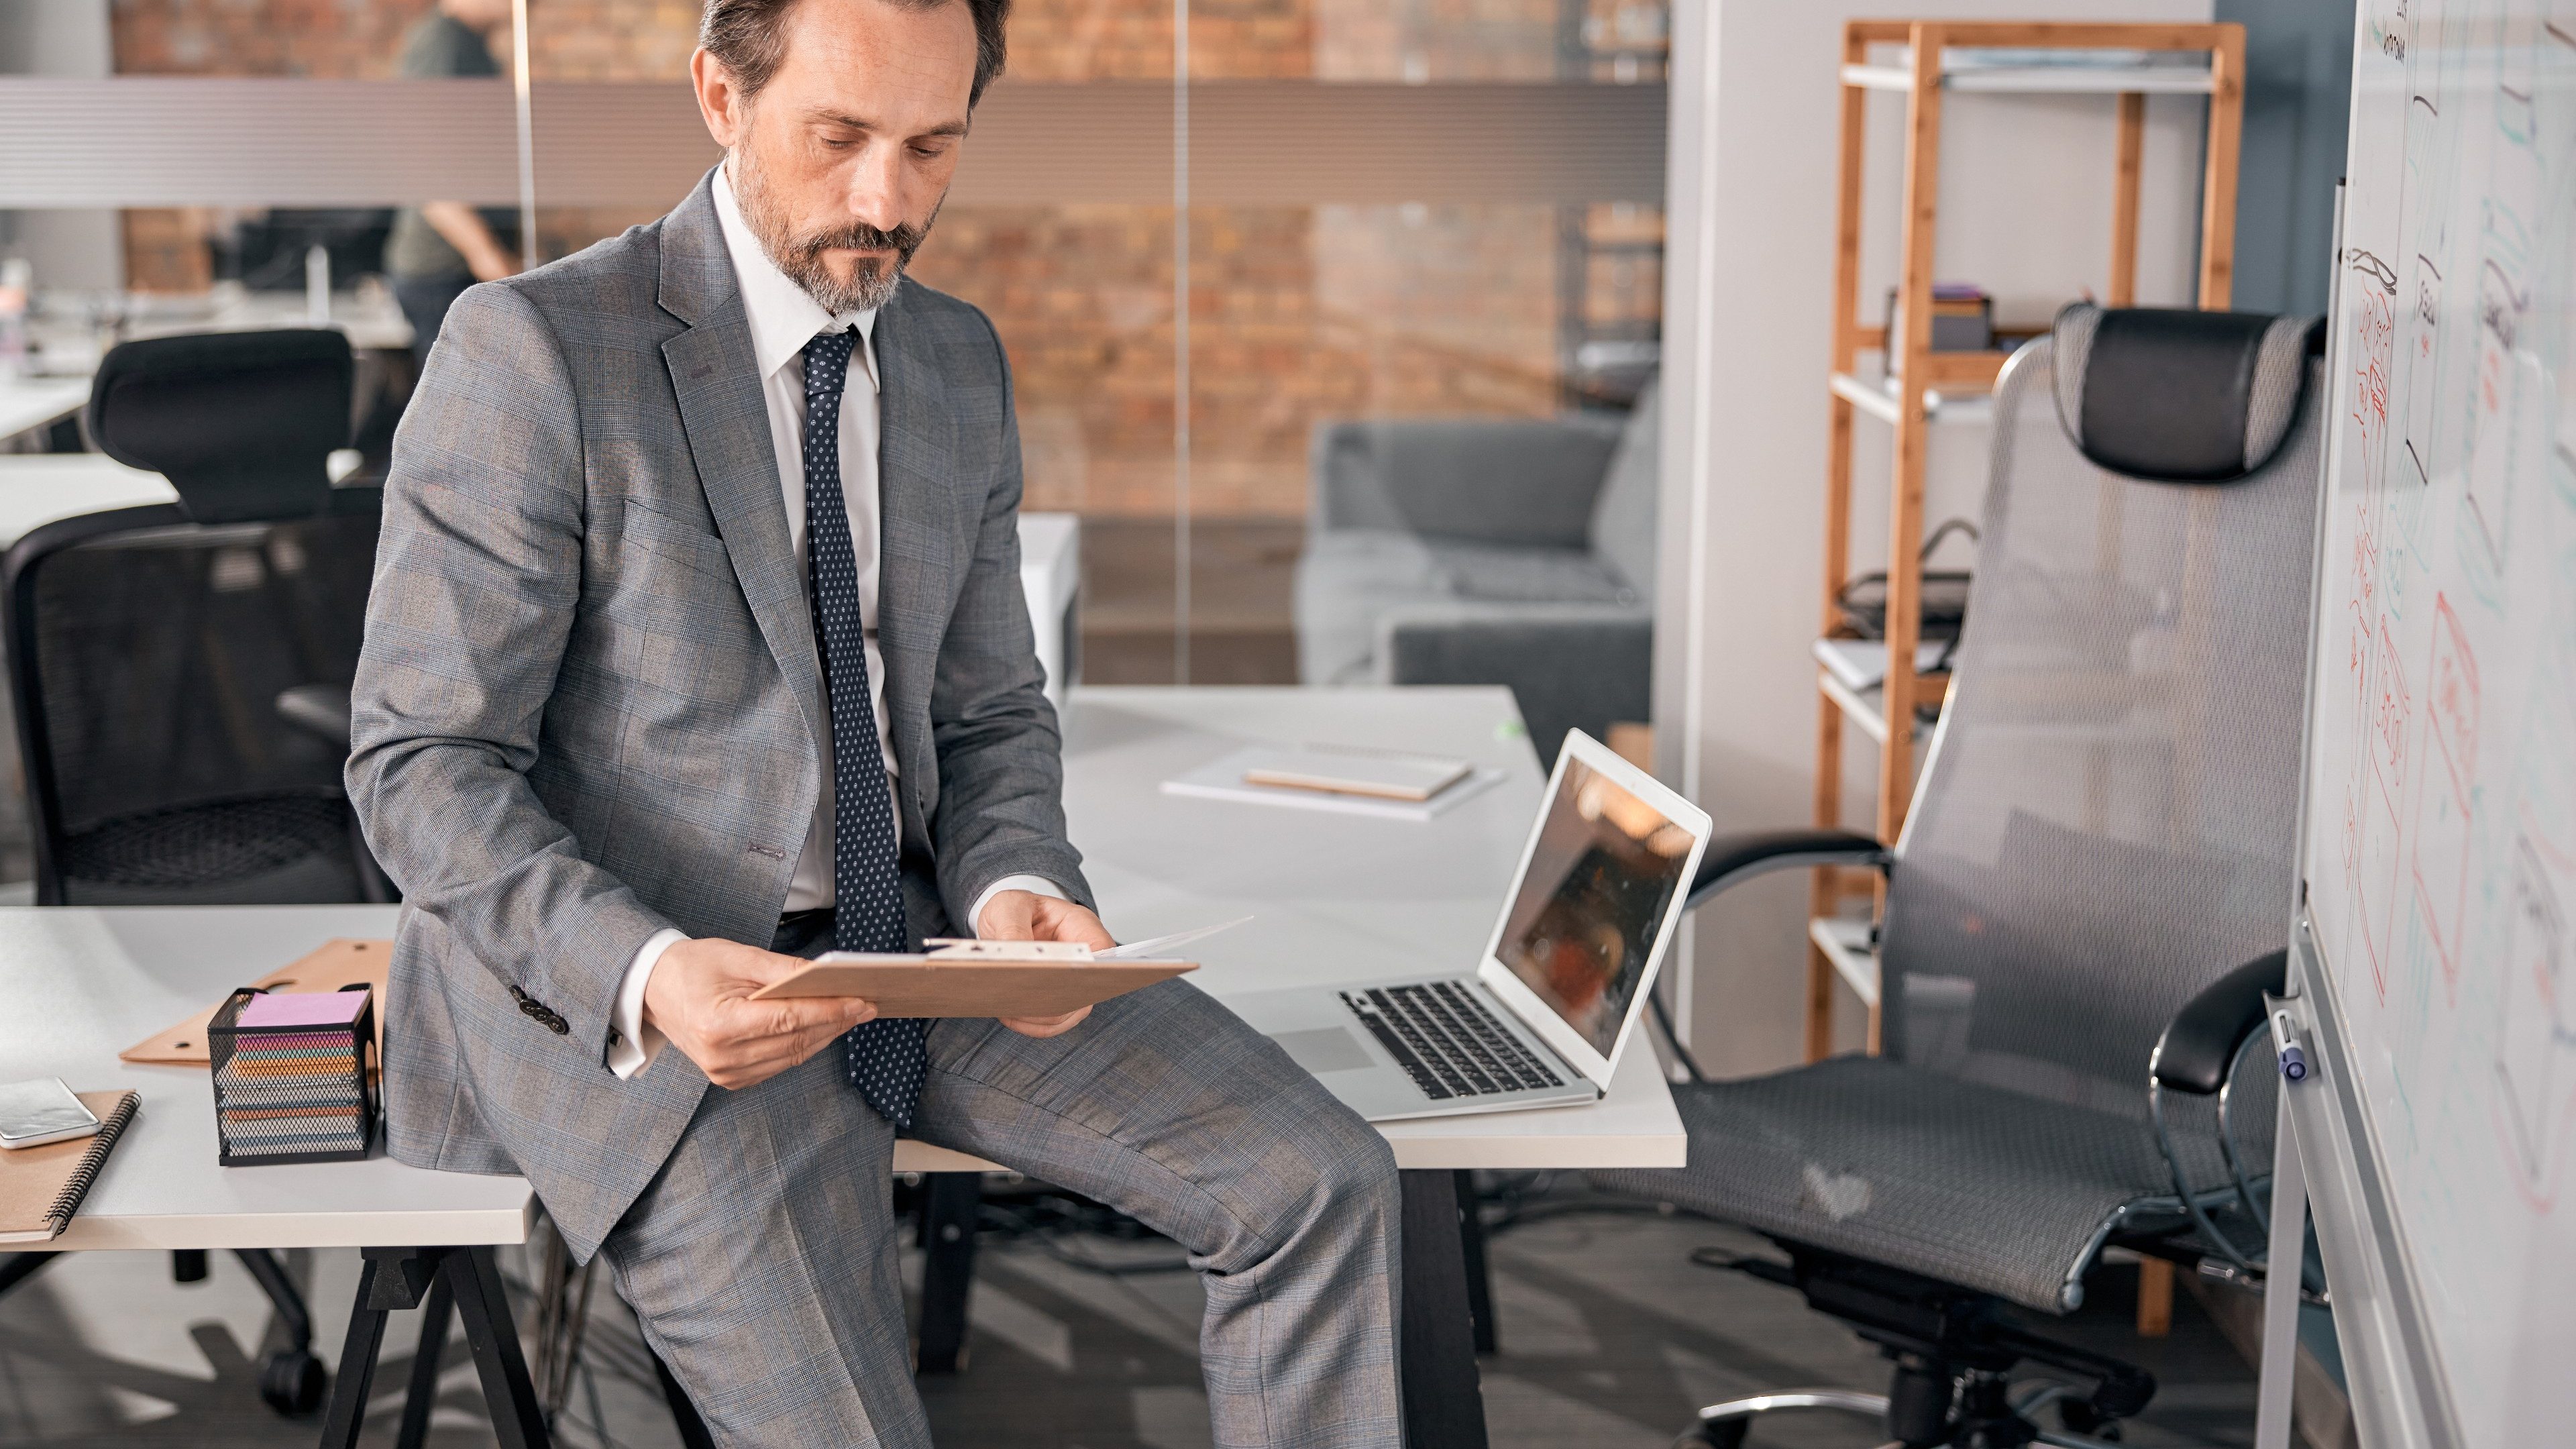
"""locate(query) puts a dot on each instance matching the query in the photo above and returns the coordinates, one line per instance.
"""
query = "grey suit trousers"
(761, 1258)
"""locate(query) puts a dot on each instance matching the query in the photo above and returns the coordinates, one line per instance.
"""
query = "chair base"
(1953, 1352)
(1723, 1426)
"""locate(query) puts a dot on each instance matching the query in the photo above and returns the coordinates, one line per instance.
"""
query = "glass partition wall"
(1205, 230)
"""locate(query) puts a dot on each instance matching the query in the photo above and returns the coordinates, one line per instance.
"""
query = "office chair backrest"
(148, 646)
(242, 423)
(2105, 822)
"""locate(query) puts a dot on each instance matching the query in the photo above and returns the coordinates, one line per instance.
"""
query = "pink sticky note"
(302, 1008)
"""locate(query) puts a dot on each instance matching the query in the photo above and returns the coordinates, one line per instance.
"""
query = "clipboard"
(334, 964)
(971, 985)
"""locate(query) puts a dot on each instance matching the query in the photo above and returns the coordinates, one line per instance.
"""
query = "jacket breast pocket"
(658, 540)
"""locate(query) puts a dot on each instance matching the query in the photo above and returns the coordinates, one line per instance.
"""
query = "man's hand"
(1028, 916)
(700, 997)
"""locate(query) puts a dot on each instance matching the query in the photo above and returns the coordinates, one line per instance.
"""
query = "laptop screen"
(1600, 878)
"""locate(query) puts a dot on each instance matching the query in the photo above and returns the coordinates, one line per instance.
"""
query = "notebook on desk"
(41, 1187)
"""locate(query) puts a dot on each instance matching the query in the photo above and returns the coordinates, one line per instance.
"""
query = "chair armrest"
(2200, 1044)
(1733, 859)
(321, 710)
(1519, 482)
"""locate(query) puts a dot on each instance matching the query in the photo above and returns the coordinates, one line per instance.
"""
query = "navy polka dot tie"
(885, 1060)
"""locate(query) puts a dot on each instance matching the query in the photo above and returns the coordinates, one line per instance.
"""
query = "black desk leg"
(17, 1268)
(1480, 1274)
(435, 1311)
(395, 1278)
(950, 1204)
(383, 1285)
(1436, 1343)
(489, 1330)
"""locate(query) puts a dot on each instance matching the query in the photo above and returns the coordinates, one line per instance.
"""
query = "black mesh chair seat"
(1977, 1186)
(266, 849)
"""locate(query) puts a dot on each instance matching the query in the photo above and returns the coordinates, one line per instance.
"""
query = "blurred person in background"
(440, 248)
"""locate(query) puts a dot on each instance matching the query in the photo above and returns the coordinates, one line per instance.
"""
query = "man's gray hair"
(750, 37)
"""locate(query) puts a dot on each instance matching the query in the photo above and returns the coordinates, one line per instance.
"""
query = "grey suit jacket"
(589, 700)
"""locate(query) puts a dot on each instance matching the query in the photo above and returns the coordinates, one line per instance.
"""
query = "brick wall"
(1297, 313)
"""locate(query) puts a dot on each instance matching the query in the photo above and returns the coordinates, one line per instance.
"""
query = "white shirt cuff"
(1036, 885)
(631, 1048)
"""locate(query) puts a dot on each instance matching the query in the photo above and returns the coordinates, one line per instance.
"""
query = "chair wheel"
(2080, 1417)
(1715, 1434)
(291, 1381)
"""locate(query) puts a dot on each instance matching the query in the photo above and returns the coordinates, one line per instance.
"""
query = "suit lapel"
(918, 513)
(717, 381)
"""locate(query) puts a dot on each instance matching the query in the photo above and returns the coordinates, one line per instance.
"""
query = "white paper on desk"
(1223, 780)
(1152, 948)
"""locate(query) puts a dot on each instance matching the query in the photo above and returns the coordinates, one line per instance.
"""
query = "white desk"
(80, 985)
(1051, 576)
(1338, 898)
(41, 488)
(372, 319)
(32, 402)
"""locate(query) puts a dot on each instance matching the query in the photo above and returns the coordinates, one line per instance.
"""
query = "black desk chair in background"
(148, 648)
(2090, 898)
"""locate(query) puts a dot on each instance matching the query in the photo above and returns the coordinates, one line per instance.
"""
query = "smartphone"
(42, 1110)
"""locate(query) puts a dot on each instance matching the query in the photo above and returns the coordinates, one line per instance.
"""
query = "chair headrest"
(2178, 396)
(242, 423)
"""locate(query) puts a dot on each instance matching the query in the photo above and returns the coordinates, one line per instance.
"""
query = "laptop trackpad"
(1325, 1049)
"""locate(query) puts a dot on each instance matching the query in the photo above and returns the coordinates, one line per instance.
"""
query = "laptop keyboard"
(1447, 1041)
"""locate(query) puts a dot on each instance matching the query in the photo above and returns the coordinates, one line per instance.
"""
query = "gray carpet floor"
(1609, 1337)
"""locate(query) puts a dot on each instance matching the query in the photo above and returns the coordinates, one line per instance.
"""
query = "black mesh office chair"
(149, 647)
(148, 651)
(2088, 901)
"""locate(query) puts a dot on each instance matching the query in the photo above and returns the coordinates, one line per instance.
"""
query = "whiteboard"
(2440, 849)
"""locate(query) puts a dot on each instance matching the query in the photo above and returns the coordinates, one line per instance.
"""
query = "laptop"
(1541, 1020)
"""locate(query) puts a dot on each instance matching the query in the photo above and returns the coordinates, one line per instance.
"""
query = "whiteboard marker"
(2294, 1060)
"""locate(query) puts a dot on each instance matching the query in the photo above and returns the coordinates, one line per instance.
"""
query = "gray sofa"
(1487, 551)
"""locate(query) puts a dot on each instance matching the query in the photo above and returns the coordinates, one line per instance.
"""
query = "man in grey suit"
(697, 644)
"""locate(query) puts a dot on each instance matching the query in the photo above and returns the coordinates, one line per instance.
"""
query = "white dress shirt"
(784, 317)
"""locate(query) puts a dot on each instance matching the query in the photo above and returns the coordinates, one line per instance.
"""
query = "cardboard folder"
(335, 964)
(959, 986)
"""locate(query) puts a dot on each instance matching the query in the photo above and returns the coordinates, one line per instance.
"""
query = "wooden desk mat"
(335, 964)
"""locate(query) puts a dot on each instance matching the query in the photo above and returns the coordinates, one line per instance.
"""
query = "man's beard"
(872, 280)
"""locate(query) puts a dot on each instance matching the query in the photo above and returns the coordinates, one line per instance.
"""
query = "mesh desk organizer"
(292, 1075)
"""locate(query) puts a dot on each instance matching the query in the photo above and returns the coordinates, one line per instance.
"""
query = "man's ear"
(720, 101)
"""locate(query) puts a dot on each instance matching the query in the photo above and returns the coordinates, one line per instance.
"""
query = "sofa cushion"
(1623, 518)
(1349, 578)
(1346, 578)
(1526, 575)
(1526, 482)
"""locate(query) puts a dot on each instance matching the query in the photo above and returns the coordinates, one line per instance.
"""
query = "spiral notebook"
(41, 1187)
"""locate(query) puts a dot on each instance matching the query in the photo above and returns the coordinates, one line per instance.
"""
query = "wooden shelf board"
(1875, 399)
(1845, 942)
(1964, 371)
(2089, 80)
(1867, 707)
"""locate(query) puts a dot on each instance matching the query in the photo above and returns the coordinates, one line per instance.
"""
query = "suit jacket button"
(557, 1025)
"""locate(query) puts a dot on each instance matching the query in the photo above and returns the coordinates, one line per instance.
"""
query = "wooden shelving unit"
(1915, 388)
